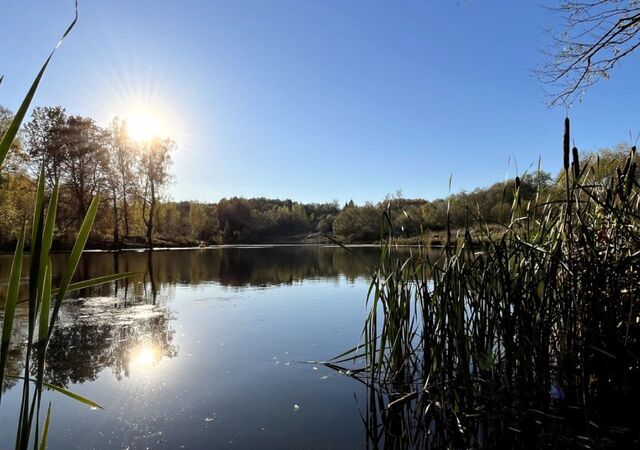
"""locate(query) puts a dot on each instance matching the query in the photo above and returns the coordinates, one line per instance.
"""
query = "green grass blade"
(45, 430)
(44, 308)
(74, 258)
(14, 127)
(61, 390)
(11, 302)
(47, 240)
(73, 395)
(91, 282)
(98, 280)
(36, 241)
(78, 247)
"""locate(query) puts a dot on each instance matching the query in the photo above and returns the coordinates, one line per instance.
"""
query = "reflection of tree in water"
(228, 266)
(15, 359)
(101, 332)
(91, 341)
(100, 327)
(287, 265)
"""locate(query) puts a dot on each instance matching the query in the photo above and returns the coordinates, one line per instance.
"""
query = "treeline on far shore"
(131, 179)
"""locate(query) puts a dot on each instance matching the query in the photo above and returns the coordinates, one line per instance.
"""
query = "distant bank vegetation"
(132, 179)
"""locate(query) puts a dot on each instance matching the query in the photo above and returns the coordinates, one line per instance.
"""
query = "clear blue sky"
(317, 100)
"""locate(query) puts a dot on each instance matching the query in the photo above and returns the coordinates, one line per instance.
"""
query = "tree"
(155, 175)
(596, 35)
(72, 151)
(84, 158)
(358, 223)
(45, 142)
(120, 175)
(236, 221)
(16, 158)
(16, 188)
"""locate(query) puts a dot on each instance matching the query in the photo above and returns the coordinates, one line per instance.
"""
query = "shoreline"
(232, 246)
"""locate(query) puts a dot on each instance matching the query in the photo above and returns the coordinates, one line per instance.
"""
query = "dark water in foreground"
(198, 351)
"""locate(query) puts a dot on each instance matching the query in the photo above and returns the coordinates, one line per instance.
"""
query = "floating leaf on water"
(296, 407)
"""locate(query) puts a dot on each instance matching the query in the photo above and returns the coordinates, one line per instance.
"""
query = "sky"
(316, 100)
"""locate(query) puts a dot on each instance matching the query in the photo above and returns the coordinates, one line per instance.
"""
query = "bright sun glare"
(144, 126)
(144, 356)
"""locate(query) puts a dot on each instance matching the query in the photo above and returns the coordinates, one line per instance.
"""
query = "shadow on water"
(396, 422)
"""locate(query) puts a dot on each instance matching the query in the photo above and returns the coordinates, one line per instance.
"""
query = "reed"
(543, 316)
(43, 302)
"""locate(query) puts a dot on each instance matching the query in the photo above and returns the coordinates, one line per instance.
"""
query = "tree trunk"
(125, 212)
(116, 232)
(152, 208)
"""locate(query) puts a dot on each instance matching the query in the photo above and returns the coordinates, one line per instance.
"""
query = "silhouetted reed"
(510, 329)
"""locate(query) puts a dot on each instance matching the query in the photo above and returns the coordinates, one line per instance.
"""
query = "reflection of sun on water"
(144, 356)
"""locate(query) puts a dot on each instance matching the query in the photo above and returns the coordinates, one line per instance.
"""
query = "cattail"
(619, 174)
(517, 182)
(620, 186)
(576, 163)
(626, 166)
(630, 178)
(566, 144)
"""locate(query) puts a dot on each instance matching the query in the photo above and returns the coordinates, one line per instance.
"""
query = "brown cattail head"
(626, 165)
(576, 162)
(517, 182)
(620, 186)
(566, 143)
(630, 178)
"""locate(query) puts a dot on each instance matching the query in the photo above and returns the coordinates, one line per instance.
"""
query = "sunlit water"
(201, 350)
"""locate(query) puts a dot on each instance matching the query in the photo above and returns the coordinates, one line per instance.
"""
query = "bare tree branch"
(595, 36)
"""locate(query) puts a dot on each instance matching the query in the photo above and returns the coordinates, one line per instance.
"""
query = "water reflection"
(237, 267)
(145, 356)
(126, 325)
(104, 332)
(195, 349)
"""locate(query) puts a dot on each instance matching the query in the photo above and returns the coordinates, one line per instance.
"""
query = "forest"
(132, 177)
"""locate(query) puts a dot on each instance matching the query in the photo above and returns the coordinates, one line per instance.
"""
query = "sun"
(143, 126)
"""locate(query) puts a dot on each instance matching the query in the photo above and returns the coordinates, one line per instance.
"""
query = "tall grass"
(43, 301)
(542, 318)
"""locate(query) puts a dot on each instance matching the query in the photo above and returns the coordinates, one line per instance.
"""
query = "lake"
(202, 349)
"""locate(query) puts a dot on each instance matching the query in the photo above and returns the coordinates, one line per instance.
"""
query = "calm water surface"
(199, 351)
